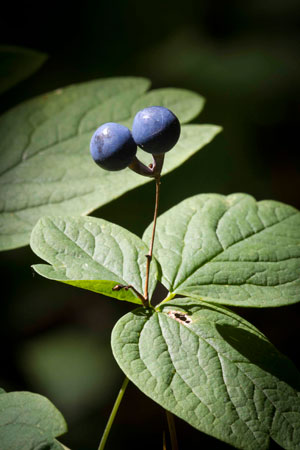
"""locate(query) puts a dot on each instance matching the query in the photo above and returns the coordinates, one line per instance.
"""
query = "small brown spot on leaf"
(180, 316)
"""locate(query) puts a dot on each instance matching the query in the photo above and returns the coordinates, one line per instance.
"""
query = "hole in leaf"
(180, 316)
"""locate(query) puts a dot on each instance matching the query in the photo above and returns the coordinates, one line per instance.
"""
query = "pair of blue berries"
(155, 130)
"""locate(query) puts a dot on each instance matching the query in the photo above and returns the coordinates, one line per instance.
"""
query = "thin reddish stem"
(149, 256)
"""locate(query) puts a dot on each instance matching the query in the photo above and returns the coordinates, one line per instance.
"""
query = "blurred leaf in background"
(29, 421)
(16, 64)
(72, 367)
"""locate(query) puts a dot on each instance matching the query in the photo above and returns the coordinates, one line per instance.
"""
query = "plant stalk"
(149, 256)
(113, 414)
(164, 441)
(172, 430)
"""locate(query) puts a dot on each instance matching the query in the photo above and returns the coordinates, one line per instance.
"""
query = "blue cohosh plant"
(190, 353)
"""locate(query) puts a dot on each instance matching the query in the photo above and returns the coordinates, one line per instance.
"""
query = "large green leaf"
(92, 254)
(214, 370)
(16, 64)
(29, 422)
(185, 104)
(230, 250)
(45, 163)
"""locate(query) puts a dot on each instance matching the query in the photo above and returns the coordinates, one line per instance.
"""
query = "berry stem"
(149, 256)
(153, 170)
(113, 414)
(137, 166)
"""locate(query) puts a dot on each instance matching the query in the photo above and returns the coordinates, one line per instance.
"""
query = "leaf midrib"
(221, 367)
(236, 363)
(91, 257)
(63, 140)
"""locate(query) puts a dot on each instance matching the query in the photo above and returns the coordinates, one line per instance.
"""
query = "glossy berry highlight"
(156, 129)
(112, 146)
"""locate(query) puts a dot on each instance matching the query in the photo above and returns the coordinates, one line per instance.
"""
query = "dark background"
(243, 57)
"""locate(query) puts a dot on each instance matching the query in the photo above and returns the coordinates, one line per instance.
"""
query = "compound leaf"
(230, 250)
(29, 421)
(45, 163)
(18, 63)
(92, 254)
(212, 369)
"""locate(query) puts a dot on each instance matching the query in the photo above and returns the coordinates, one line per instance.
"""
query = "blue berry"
(112, 146)
(156, 129)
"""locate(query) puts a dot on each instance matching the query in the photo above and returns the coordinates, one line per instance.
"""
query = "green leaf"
(64, 447)
(92, 254)
(230, 250)
(29, 421)
(46, 167)
(192, 138)
(55, 445)
(214, 370)
(18, 63)
(184, 104)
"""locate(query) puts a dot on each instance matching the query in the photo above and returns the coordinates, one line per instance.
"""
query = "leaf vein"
(230, 246)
